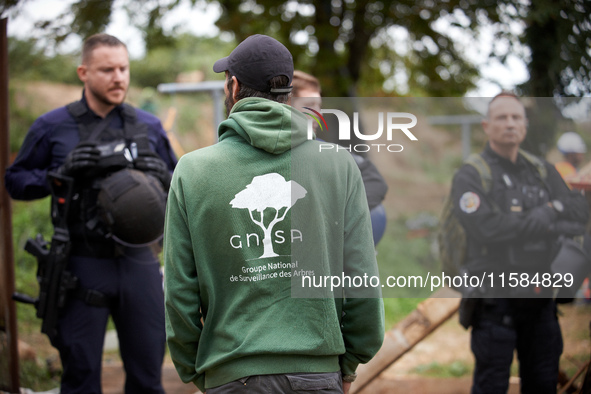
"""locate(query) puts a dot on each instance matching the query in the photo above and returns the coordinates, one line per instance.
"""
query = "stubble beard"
(105, 100)
(229, 103)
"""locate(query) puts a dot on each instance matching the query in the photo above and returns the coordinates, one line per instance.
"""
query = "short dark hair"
(279, 81)
(96, 40)
(504, 93)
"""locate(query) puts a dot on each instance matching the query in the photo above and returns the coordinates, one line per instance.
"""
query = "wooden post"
(429, 315)
(8, 331)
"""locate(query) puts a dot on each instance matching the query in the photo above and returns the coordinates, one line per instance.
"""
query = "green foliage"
(163, 64)
(350, 45)
(20, 120)
(560, 62)
(37, 378)
(28, 219)
(396, 309)
(27, 61)
(402, 256)
(454, 370)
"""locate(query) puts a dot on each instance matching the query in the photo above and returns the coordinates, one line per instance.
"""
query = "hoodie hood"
(265, 124)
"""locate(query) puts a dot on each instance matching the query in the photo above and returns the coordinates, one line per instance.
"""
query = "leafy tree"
(27, 61)
(366, 45)
(189, 53)
(341, 41)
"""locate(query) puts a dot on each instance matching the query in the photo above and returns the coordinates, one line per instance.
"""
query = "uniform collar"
(504, 161)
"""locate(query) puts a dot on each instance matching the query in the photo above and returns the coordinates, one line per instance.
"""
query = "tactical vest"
(451, 236)
(115, 204)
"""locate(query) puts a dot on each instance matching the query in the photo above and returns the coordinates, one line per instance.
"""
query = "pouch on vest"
(572, 260)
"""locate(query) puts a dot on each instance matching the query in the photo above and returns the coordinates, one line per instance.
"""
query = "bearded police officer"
(512, 227)
(115, 155)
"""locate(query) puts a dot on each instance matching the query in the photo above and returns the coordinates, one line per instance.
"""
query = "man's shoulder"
(59, 116)
(542, 165)
(474, 165)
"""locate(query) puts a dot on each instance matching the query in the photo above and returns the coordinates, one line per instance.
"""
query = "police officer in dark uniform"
(513, 226)
(89, 141)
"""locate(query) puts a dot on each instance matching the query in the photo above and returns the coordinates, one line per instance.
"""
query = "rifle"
(54, 280)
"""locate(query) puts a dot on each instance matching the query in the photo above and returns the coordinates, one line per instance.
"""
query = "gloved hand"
(576, 205)
(538, 220)
(83, 157)
(151, 163)
(568, 228)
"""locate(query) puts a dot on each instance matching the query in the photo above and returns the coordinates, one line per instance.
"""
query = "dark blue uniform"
(129, 277)
(513, 228)
(375, 191)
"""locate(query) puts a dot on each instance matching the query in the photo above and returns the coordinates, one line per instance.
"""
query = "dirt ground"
(451, 343)
(447, 345)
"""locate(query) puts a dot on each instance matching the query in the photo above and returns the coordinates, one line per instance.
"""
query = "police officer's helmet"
(571, 142)
(132, 205)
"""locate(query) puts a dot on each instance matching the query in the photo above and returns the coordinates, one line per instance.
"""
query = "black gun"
(54, 280)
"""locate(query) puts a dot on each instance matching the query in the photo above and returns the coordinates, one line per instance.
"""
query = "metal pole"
(465, 140)
(217, 111)
(8, 317)
(465, 121)
(216, 88)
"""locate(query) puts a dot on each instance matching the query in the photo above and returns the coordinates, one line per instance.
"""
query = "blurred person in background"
(307, 92)
(573, 150)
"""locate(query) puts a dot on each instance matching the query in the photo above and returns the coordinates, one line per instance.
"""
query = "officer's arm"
(574, 203)
(484, 220)
(26, 178)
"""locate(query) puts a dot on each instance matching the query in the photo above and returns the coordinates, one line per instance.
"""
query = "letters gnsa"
(253, 239)
(345, 131)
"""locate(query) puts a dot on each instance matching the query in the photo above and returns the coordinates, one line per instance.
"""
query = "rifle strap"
(92, 297)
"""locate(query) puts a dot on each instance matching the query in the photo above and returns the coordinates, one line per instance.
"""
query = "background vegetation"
(370, 48)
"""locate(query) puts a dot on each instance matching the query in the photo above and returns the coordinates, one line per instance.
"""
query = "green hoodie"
(246, 219)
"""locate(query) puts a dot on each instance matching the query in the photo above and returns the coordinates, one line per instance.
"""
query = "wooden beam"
(428, 316)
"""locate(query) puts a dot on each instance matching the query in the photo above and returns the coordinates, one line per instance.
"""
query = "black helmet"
(132, 205)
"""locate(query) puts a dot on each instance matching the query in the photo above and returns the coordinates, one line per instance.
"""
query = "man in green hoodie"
(267, 242)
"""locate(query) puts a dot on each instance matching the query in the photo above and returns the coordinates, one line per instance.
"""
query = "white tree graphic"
(264, 192)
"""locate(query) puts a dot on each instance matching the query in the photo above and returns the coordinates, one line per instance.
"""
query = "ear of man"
(81, 71)
(235, 89)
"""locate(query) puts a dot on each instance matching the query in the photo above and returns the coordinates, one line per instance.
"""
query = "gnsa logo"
(392, 124)
(267, 198)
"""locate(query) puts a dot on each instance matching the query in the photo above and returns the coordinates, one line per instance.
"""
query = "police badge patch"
(469, 202)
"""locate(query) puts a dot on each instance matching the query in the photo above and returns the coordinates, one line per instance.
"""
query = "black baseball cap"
(256, 60)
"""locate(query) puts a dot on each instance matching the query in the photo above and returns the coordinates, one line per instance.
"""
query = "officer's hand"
(568, 228)
(152, 164)
(81, 158)
(575, 207)
(539, 220)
